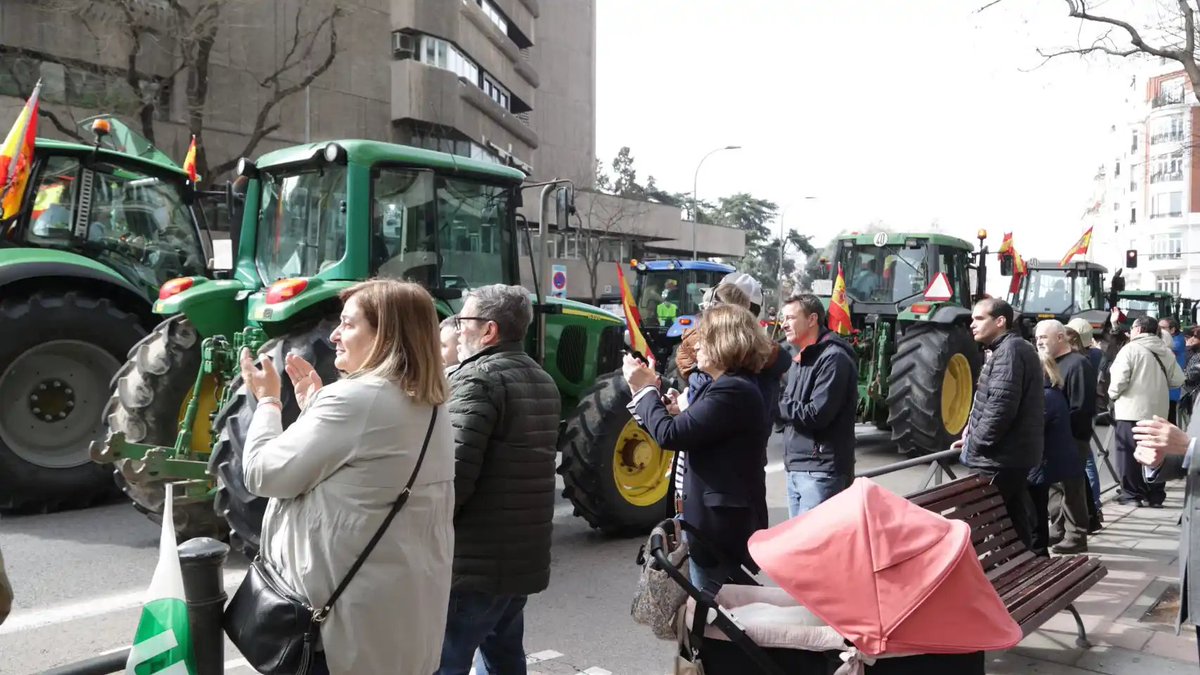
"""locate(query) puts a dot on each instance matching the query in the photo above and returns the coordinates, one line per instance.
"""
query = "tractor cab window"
(403, 244)
(664, 295)
(1134, 308)
(1057, 292)
(136, 222)
(884, 274)
(302, 222)
(474, 233)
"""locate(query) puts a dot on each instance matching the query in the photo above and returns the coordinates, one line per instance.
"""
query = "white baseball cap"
(748, 285)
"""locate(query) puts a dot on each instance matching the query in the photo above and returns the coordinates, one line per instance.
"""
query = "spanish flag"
(1080, 247)
(1019, 268)
(16, 156)
(1006, 246)
(189, 162)
(839, 308)
(633, 320)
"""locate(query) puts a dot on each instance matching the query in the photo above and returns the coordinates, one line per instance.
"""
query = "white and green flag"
(163, 642)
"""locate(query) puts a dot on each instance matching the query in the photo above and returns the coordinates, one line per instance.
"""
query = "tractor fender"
(317, 294)
(213, 306)
(70, 270)
(951, 314)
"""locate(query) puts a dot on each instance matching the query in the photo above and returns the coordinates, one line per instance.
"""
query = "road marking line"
(546, 655)
(236, 663)
(594, 671)
(23, 621)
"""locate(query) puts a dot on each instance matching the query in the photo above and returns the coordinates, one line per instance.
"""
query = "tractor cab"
(668, 295)
(1052, 291)
(1158, 304)
(888, 273)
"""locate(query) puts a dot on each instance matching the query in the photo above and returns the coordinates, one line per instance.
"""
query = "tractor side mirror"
(564, 204)
(1006, 266)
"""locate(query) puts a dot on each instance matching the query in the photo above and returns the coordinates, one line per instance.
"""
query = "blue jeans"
(493, 624)
(808, 489)
(1093, 476)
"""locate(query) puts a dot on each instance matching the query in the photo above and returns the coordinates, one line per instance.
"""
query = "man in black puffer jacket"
(1004, 438)
(505, 411)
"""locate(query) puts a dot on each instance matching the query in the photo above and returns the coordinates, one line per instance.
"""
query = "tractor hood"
(582, 309)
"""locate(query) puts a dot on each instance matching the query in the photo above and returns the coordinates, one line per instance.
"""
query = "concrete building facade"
(510, 81)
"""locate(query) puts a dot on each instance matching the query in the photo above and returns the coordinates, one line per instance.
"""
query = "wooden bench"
(1033, 588)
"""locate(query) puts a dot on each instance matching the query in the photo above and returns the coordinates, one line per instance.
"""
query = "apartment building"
(509, 81)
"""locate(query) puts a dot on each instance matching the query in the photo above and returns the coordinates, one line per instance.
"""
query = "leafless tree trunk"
(606, 217)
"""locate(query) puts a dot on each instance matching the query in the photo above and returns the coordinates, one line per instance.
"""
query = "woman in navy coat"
(722, 433)
(1060, 460)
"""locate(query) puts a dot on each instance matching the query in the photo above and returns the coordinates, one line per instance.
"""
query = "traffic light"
(1131, 258)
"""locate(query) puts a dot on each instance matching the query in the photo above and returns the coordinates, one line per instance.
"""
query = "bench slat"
(1070, 595)
(930, 495)
(1028, 602)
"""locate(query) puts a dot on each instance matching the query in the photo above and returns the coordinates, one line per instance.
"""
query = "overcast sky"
(904, 111)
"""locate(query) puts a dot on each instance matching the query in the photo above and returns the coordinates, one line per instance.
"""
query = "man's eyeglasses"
(459, 319)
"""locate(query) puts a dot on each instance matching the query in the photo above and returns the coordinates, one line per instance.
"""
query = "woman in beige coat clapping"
(333, 475)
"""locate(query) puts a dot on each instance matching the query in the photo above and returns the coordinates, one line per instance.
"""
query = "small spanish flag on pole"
(16, 156)
(189, 162)
(633, 320)
(839, 308)
(1080, 247)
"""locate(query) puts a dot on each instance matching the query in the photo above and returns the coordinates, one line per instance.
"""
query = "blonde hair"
(733, 339)
(407, 347)
(1050, 370)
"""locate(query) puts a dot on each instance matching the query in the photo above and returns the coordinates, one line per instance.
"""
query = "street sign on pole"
(558, 281)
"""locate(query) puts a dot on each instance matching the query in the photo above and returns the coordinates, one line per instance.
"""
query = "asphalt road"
(79, 577)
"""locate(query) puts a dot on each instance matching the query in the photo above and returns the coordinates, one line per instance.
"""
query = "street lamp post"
(782, 247)
(696, 200)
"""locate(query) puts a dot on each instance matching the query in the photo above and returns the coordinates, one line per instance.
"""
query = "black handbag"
(274, 628)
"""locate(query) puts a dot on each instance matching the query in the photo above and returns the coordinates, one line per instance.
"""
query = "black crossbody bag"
(274, 628)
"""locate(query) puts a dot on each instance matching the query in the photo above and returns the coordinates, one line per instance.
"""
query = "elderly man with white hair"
(1068, 499)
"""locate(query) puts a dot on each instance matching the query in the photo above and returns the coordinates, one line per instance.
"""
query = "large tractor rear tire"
(148, 402)
(242, 510)
(58, 354)
(613, 472)
(931, 387)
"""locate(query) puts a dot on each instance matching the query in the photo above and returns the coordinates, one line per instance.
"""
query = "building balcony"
(1162, 101)
(1172, 137)
(1166, 177)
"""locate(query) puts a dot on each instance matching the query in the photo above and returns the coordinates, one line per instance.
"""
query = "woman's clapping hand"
(304, 378)
(262, 382)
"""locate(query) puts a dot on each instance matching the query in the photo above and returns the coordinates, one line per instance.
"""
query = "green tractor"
(100, 229)
(1158, 304)
(317, 219)
(910, 297)
(1053, 291)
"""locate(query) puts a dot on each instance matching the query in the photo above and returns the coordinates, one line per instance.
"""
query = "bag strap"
(1157, 360)
(322, 613)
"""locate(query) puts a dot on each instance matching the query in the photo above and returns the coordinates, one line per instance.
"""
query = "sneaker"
(1054, 539)
(1067, 549)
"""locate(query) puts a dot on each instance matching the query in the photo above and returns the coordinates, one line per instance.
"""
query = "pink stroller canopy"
(890, 576)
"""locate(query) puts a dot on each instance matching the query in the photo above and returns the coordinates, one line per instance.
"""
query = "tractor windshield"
(1061, 291)
(417, 215)
(1135, 307)
(663, 295)
(302, 222)
(884, 274)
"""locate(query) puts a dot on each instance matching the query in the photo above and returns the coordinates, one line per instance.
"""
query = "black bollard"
(203, 560)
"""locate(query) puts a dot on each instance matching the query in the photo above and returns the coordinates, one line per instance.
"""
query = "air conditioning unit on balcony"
(404, 45)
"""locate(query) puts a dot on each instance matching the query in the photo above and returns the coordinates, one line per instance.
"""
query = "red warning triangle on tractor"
(939, 290)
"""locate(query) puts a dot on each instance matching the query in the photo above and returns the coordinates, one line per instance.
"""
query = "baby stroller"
(913, 598)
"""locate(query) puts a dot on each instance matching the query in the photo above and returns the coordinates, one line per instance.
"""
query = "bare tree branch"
(1081, 51)
(280, 92)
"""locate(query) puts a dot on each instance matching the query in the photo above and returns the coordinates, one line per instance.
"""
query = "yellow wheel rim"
(957, 391)
(201, 427)
(641, 469)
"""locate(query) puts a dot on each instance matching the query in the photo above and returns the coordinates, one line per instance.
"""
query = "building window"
(1166, 246)
(1167, 204)
(1167, 167)
(1170, 284)
(1117, 170)
(1132, 215)
(1167, 129)
(1133, 144)
(441, 54)
(79, 84)
(495, 15)
(444, 139)
(496, 92)
(1169, 93)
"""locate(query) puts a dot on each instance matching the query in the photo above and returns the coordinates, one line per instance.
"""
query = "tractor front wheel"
(614, 473)
(931, 387)
(148, 403)
(58, 354)
(241, 509)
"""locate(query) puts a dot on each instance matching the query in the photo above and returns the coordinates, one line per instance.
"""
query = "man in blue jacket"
(1170, 327)
(817, 407)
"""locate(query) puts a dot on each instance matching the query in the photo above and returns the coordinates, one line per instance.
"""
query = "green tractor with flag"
(88, 234)
(318, 218)
(903, 301)
(1063, 291)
